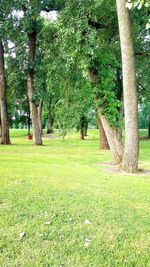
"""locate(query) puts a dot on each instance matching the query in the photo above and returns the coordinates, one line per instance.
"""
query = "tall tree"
(3, 99)
(4, 28)
(131, 151)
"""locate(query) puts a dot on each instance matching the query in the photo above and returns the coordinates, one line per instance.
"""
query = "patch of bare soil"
(115, 169)
(105, 163)
(49, 136)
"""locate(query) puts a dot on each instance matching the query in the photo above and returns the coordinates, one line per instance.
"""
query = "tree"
(4, 29)
(131, 151)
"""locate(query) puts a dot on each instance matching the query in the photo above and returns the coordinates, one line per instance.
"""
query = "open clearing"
(59, 207)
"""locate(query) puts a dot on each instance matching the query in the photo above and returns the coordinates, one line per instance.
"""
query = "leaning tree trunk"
(103, 139)
(112, 135)
(131, 151)
(40, 108)
(3, 100)
(30, 87)
(115, 144)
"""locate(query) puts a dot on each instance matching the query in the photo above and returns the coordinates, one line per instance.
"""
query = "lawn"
(61, 207)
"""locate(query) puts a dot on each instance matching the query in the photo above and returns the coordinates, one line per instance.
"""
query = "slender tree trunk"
(131, 151)
(82, 133)
(103, 139)
(50, 122)
(49, 128)
(82, 128)
(0, 127)
(86, 128)
(40, 108)
(115, 144)
(29, 123)
(149, 127)
(3, 99)
(30, 87)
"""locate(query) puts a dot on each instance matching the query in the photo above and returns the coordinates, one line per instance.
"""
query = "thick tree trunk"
(103, 139)
(131, 151)
(40, 108)
(30, 80)
(115, 144)
(3, 99)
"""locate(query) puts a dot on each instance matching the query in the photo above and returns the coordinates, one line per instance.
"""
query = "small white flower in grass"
(47, 223)
(22, 235)
(41, 235)
(87, 222)
(87, 242)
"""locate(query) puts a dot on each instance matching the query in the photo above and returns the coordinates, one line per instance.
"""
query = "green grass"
(62, 183)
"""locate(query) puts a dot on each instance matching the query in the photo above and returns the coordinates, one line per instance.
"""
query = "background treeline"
(62, 67)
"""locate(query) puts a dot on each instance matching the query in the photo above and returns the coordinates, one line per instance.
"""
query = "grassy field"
(60, 207)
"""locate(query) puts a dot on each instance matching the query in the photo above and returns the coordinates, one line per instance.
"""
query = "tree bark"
(3, 99)
(86, 128)
(0, 127)
(82, 134)
(149, 127)
(131, 151)
(116, 146)
(30, 87)
(82, 127)
(29, 123)
(103, 139)
(40, 108)
(50, 121)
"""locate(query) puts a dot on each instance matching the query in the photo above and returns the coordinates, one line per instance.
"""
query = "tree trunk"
(29, 123)
(115, 144)
(86, 128)
(103, 139)
(30, 80)
(0, 128)
(131, 151)
(50, 122)
(40, 108)
(149, 127)
(82, 133)
(82, 127)
(3, 99)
